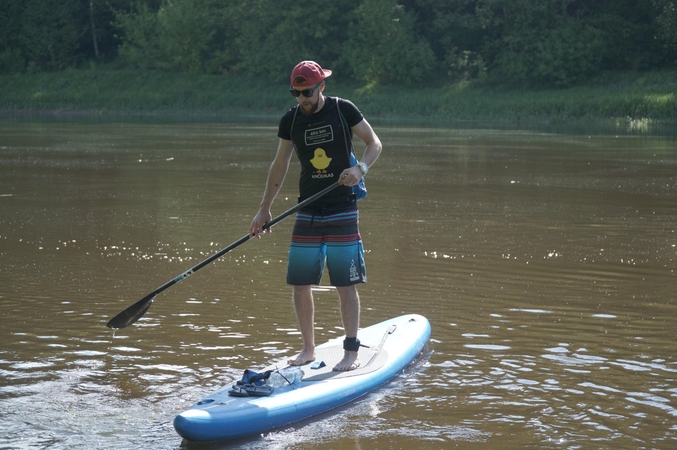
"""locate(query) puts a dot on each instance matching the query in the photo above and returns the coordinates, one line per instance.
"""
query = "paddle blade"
(131, 314)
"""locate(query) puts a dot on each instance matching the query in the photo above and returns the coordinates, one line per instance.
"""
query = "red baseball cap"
(308, 73)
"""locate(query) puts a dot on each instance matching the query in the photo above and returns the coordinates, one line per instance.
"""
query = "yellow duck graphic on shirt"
(320, 160)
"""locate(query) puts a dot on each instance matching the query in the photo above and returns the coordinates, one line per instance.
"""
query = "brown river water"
(544, 259)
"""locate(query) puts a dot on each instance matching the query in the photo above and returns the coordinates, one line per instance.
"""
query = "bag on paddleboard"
(262, 384)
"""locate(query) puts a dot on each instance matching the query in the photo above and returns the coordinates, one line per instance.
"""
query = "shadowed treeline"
(536, 43)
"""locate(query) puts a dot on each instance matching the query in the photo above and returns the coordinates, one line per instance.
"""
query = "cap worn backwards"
(308, 73)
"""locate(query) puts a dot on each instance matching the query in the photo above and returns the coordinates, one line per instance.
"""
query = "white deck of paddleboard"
(220, 416)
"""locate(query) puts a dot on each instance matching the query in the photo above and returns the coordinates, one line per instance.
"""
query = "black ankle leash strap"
(352, 344)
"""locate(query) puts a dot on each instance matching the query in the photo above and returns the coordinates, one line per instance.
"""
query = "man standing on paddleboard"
(320, 129)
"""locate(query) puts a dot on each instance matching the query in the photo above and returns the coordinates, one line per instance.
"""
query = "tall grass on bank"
(626, 96)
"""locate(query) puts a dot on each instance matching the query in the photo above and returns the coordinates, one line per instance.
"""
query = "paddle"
(138, 309)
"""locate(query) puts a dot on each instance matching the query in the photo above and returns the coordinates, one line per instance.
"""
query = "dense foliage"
(553, 43)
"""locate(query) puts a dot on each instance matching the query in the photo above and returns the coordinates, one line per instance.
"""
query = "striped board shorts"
(326, 237)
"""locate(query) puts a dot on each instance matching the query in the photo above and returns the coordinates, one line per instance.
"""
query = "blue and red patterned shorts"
(326, 237)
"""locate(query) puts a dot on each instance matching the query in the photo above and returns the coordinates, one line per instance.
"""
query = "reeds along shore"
(632, 96)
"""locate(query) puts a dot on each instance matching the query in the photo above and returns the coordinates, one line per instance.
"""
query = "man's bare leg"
(350, 314)
(305, 314)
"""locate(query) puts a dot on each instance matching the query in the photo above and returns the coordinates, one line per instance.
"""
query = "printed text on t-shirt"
(317, 136)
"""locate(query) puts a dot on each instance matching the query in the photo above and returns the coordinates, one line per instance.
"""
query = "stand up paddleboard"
(391, 346)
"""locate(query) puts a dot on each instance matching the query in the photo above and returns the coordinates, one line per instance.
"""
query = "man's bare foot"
(349, 362)
(304, 358)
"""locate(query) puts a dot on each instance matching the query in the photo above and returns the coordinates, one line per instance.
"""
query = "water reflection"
(544, 261)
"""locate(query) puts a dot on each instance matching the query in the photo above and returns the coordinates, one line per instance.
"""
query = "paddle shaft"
(138, 309)
(243, 239)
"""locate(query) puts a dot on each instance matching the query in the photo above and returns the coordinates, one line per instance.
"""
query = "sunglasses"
(306, 92)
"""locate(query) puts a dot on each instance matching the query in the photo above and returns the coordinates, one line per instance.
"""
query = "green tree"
(181, 36)
(383, 48)
(540, 42)
(628, 32)
(40, 34)
(520, 42)
(102, 30)
(666, 25)
(458, 31)
(274, 35)
(12, 59)
(545, 43)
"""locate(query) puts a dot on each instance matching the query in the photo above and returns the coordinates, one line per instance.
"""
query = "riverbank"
(621, 97)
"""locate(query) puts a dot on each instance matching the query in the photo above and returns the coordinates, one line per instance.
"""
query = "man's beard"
(313, 108)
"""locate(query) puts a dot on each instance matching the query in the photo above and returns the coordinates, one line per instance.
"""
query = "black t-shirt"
(322, 145)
